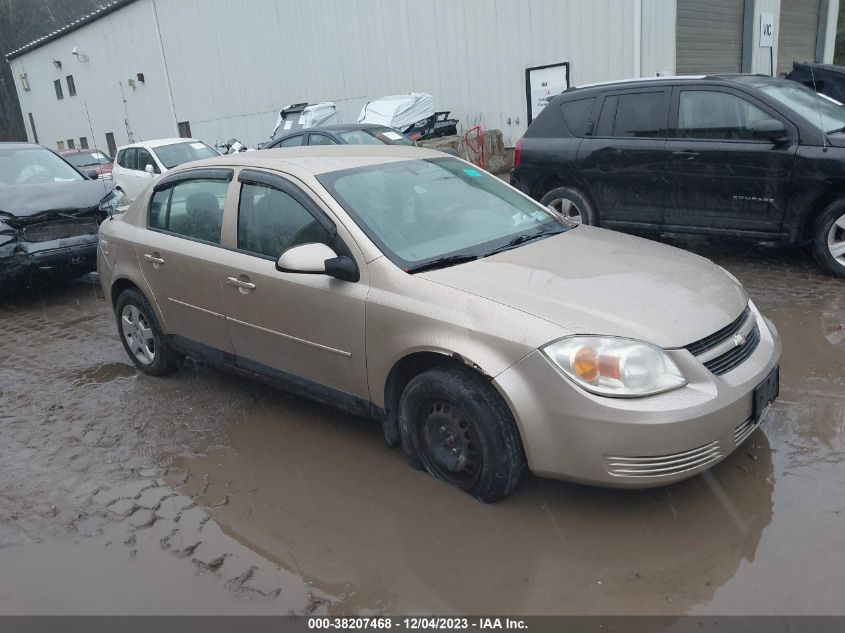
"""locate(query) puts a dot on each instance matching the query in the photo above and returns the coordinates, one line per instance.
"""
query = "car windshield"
(819, 111)
(375, 136)
(178, 153)
(86, 159)
(428, 213)
(32, 166)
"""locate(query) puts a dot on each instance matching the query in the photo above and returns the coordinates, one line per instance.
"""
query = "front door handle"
(240, 284)
(154, 259)
(686, 154)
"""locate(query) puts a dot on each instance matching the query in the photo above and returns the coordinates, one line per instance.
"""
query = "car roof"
(335, 127)
(321, 159)
(673, 80)
(834, 68)
(158, 142)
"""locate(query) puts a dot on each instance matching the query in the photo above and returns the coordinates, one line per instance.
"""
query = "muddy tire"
(829, 239)
(571, 203)
(456, 426)
(141, 335)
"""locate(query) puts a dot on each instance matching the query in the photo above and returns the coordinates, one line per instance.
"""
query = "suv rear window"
(638, 114)
(576, 115)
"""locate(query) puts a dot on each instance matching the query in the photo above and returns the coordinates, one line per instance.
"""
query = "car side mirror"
(770, 130)
(92, 174)
(317, 259)
(150, 169)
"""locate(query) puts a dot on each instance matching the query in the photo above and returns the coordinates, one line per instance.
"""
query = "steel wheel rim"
(836, 240)
(138, 334)
(567, 209)
(449, 442)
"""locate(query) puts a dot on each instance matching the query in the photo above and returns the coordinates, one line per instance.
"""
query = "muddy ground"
(206, 493)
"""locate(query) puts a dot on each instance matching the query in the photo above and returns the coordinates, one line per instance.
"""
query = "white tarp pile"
(398, 111)
(311, 116)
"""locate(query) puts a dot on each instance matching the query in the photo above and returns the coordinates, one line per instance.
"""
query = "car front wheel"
(457, 427)
(829, 239)
(141, 335)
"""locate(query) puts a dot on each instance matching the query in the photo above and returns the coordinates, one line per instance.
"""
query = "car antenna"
(821, 118)
(91, 129)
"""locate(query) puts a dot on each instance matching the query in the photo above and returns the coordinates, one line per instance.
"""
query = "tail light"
(517, 153)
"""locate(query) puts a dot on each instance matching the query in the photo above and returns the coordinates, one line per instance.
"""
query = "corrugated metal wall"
(117, 48)
(799, 24)
(471, 55)
(709, 36)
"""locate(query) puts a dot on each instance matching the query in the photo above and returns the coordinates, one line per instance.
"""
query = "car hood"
(24, 201)
(594, 281)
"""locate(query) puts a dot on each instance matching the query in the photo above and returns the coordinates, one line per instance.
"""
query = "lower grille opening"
(663, 465)
(744, 430)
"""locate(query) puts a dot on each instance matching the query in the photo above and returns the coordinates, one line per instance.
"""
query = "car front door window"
(713, 115)
(270, 221)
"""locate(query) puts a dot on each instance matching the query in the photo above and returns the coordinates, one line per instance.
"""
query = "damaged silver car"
(49, 213)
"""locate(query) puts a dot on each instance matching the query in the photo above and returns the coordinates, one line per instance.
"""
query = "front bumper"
(73, 256)
(571, 434)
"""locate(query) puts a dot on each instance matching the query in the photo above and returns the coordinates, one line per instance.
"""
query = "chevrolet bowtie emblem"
(739, 340)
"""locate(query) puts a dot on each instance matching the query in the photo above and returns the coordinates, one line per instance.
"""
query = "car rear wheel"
(141, 335)
(457, 427)
(571, 204)
(829, 239)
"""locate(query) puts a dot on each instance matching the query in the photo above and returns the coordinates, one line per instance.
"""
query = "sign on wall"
(542, 84)
(767, 30)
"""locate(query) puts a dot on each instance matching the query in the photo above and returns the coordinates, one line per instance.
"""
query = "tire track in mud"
(85, 441)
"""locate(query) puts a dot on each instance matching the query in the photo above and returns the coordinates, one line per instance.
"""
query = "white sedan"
(138, 164)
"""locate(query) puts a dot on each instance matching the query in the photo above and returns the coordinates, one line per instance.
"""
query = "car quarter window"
(711, 114)
(576, 115)
(271, 221)
(320, 139)
(191, 208)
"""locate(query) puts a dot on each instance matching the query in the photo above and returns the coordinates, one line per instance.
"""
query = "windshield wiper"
(838, 130)
(522, 239)
(441, 262)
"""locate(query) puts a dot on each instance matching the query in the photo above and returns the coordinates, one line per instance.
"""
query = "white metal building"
(214, 69)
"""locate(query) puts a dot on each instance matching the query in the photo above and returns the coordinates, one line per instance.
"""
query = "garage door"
(709, 37)
(798, 30)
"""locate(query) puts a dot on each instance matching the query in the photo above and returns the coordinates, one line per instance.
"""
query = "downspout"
(166, 71)
(638, 37)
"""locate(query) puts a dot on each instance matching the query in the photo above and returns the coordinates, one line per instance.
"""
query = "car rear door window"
(320, 139)
(270, 221)
(192, 208)
(715, 115)
(129, 158)
(639, 114)
(293, 141)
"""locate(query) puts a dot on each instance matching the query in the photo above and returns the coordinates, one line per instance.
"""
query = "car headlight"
(615, 367)
(115, 202)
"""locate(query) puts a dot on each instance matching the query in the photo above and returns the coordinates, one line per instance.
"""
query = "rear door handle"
(239, 283)
(154, 258)
(686, 154)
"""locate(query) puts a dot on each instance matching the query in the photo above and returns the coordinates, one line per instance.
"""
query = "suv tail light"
(517, 153)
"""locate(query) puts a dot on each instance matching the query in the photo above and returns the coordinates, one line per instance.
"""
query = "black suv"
(736, 155)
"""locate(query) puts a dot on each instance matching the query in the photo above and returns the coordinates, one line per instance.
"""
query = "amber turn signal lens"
(585, 364)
